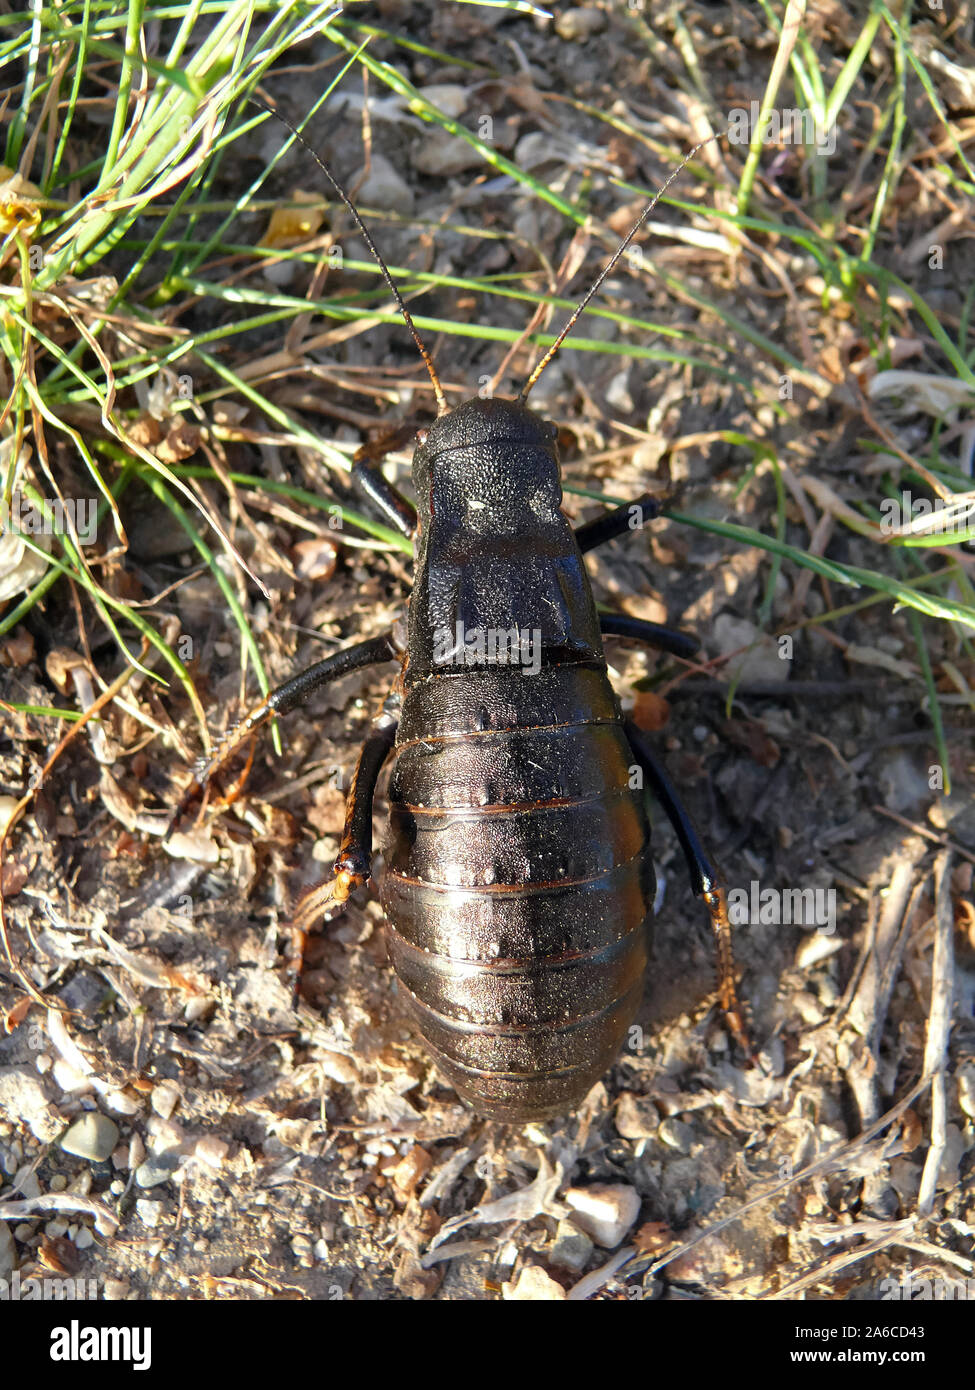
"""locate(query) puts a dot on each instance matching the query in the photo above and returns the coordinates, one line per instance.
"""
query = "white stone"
(605, 1211)
(533, 1285)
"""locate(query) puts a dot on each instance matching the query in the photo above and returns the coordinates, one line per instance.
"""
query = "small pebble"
(84, 1239)
(121, 1103)
(966, 1088)
(410, 1171)
(385, 188)
(156, 1169)
(22, 1094)
(303, 1251)
(197, 1007)
(164, 1134)
(808, 1008)
(605, 1211)
(8, 1251)
(211, 1151)
(105, 1223)
(572, 1248)
(149, 1213)
(8, 805)
(636, 1117)
(701, 1262)
(580, 24)
(533, 1285)
(93, 1136)
(677, 1135)
(84, 993)
(197, 846)
(444, 154)
(754, 655)
(27, 1182)
(447, 97)
(81, 1183)
(165, 1098)
(338, 1067)
(114, 1290)
(955, 1149)
(618, 393)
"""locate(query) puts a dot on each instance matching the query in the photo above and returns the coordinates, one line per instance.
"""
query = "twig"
(840, 1261)
(880, 960)
(834, 1158)
(939, 1026)
(944, 840)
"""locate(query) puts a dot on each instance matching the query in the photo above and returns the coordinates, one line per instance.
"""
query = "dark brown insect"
(519, 882)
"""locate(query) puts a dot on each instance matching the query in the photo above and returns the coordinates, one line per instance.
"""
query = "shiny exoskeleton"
(519, 883)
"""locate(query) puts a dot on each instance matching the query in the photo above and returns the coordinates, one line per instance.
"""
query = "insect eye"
(421, 436)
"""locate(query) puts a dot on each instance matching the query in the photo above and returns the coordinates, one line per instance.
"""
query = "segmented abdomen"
(518, 883)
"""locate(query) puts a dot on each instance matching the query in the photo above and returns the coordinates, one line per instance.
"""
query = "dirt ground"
(261, 1151)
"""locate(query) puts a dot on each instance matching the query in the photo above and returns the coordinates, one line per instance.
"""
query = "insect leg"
(367, 474)
(706, 878)
(653, 634)
(284, 699)
(354, 863)
(630, 517)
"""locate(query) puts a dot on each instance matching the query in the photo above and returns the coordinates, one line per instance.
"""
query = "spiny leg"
(668, 639)
(284, 699)
(353, 865)
(706, 880)
(368, 475)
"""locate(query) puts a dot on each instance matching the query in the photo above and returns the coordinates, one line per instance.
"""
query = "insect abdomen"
(518, 883)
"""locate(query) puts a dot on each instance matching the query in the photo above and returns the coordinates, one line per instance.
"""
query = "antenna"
(442, 406)
(580, 308)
